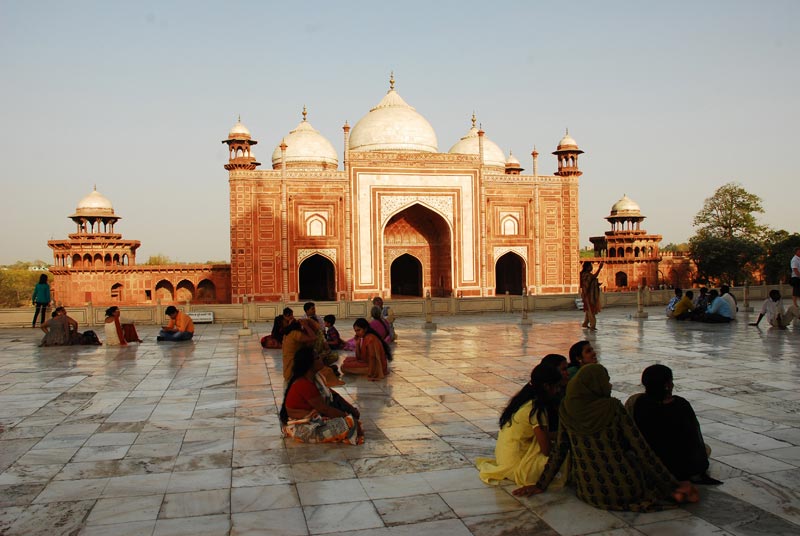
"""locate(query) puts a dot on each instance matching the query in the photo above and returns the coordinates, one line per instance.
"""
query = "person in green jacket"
(41, 299)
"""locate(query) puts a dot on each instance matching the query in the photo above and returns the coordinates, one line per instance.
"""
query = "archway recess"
(317, 279)
(406, 274)
(423, 235)
(509, 274)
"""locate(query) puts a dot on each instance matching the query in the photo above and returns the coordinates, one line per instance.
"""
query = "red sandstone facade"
(401, 218)
(97, 265)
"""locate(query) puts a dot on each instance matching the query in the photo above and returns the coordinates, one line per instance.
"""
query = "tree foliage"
(683, 247)
(725, 260)
(16, 284)
(730, 213)
(159, 259)
(779, 249)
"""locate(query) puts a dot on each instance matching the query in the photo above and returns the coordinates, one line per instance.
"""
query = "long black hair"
(110, 310)
(363, 324)
(303, 362)
(575, 352)
(277, 328)
(541, 376)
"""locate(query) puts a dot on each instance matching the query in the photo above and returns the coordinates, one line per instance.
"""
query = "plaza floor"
(183, 439)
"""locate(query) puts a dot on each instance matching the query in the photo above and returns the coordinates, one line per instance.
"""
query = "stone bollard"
(429, 324)
(640, 312)
(746, 307)
(525, 320)
(245, 330)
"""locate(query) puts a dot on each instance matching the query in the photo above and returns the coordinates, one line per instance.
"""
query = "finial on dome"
(473, 119)
(305, 112)
(283, 145)
(567, 131)
(95, 187)
(391, 81)
(239, 118)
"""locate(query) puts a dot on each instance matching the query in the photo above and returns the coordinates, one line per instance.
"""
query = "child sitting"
(331, 333)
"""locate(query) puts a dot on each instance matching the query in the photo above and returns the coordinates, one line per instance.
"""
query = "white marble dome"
(305, 145)
(512, 160)
(95, 204)
(393, 125)
(625, 207)
(492, 154)
(567, 142)
(239, 131)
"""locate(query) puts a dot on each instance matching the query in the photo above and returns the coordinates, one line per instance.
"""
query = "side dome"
(625, 207)
(239, 131)
(567, 143)
(492, 154)
(94, 204)
(306, 147)
(393, 125)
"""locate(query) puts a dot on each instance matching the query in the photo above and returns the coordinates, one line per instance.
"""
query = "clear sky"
(670, 100)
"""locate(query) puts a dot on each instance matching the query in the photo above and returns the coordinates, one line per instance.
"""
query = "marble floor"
(183, 439)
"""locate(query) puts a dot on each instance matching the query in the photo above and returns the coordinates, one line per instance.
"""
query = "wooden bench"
(202, 317)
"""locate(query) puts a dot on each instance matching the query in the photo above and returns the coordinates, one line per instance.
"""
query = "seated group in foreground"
(645, 460)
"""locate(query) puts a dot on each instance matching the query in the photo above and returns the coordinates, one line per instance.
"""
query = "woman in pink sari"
(380, 325)
(372, 353)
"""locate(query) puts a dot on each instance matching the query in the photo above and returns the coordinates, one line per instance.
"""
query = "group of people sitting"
(646, 455)
(721, 307)
(312, 412)
(714, 306)
(62, 330)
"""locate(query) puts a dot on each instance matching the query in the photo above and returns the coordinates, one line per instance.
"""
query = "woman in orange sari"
(372, 353)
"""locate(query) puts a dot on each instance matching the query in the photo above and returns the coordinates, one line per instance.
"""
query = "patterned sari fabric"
(590, 288)
(612, 466)
(316, 428)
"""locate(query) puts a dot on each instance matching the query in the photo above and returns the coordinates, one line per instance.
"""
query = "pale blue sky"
(670, 100)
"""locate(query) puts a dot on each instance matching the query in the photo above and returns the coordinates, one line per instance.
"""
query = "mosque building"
(400, 218)
(95, 264)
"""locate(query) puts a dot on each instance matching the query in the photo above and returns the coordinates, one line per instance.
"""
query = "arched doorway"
(184, 291)
(317, 279)
(164, 290)
(206, 291)
(621, 279)
(420, 239)
(406, 274)
(509, 274)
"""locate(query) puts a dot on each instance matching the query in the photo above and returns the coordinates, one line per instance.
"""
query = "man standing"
(180, 327)
(795, 280)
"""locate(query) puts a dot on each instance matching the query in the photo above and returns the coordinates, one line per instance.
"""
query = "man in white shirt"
(772, 308)
(795, 280)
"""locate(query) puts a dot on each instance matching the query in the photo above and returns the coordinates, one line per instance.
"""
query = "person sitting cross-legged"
(179, 328)
(683, 309)
(776, 315)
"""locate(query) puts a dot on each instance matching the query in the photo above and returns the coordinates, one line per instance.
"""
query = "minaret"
(239, 144)
(567, 154)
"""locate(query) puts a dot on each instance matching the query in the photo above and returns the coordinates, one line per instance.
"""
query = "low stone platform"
(183, 438)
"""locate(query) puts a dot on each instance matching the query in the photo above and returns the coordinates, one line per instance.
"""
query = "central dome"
(393, 125)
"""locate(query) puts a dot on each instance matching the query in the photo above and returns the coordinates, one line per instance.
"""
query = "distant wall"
(267, 311)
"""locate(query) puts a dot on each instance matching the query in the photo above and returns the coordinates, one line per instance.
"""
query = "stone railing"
(415, 307)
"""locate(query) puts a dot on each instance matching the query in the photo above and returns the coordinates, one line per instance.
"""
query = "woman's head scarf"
(588, 406)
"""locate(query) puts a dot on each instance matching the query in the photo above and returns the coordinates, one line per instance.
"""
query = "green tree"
(730, 213)
(159, 259)
(728, 246)
(683, 247)
(779, 249)
(725, 260)
(16, 285)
